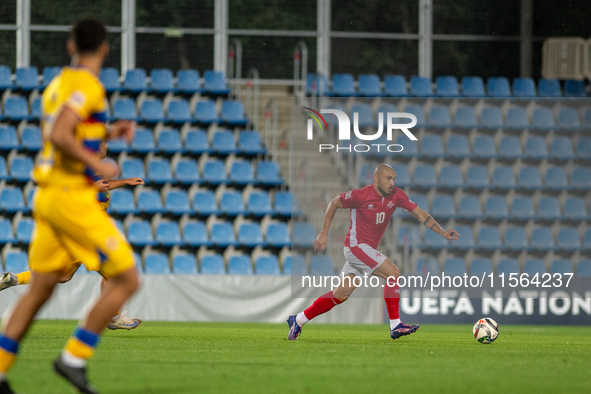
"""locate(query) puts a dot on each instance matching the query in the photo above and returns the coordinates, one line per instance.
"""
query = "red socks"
(392, 298)
(322, 305)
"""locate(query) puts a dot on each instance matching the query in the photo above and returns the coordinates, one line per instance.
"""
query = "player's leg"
(119, 321)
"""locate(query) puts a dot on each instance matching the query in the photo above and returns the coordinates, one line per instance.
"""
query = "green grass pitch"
(171, 358)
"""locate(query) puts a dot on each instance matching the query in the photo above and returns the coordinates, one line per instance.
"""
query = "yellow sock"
(8, 350)
(24, 278)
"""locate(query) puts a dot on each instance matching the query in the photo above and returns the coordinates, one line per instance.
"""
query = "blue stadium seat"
(151, 111)
(402, 175)
(568, 119)
(451, 177)
(542, 239)
(149, 202)
(534, 266)
(556, 178)
(233, 113)
(16, 109)
(584, 268)
(295, 265)
(561, 148)
(395, 86)
(11, 200)
(365, 116)
(411, 148)
(231, 203)
(432, 146)
(135, 81)
(283, 204)
(425, 265)
(508, 266)
(510, 148)
(581, 178)
(498, 87)
(240, 265)
(573, 88)
(223, 142)
(409, 235)
(8, 138)
(186, 172)
(177, 202)
(418, 199)
(278, 235)
(249, 235)
(168, 234)
(503, 177)
(206, 113)
(143, 141)
(139, 233)
(549, 88)
(489, 238)
(434, 241)
(575, 209)
(169, 142)
(568, 239)
(515, 238)
(204, 203)
(6, 234)
(21, 168)
(249, 142)
(195, 234)
(424, 176)
(27, 78)
(121, 202)
(36, 108)
(29, 198)
(517, 118)
(522, 208)
(561, 266)
(24, 230)
(259, 204)
(213, 265)
(267, 265)
(3, 170)
(317, 84)
(369, 85)
(5, 78)
(159, 171)
(443, 207)
(161, 80)
(543, 119)
(196, 142)
(178, 111)
(439, 117)
(421, 86)
(215, 83)
(117, 146)
(454, 266)
(470, 207)
(481, 266)
(124, 108)
(214, 172)
(48, 74)
(466, 118)
(343, 85)
(447, 86)
(473, 87)
(157, 264)
(188, 82)
(549, 208)
(109, 77)
(321, 265)
(530, 178)
(268, 173)
(466, 241)
(417, 111)
(241, 173)
(458, 147)
(184, 264)
(496, 208)
(222, 234)
(524, 87)
(303, 234)
(16, 262)
(491, 118)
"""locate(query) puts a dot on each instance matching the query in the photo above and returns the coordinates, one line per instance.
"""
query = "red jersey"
(370, 213)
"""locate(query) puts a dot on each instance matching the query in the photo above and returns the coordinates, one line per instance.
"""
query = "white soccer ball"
(486, 330)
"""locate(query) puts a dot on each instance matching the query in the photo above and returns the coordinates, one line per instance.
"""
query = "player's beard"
(385, 192)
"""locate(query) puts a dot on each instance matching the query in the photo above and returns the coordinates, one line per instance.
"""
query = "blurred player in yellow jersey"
(70, 224)
(120, 321)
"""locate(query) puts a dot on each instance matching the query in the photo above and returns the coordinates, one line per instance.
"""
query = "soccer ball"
(486, 330)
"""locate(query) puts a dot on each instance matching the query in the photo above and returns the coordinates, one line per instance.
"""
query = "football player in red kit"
(371, 208)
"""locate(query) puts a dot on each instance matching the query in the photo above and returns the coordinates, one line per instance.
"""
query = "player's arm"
(116, 183)
(322, 238)
(429, 222)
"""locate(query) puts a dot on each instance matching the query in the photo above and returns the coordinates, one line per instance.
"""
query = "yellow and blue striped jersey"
(103, 199)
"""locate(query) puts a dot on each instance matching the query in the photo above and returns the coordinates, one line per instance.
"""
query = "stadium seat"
(343, 85)
(584, 148)
(458, 147)
(543, 119)
(6, 234)
(249, 235)
(295, 265)
(568, 239)
(417, 111)
(515, 238)
(223, 142)
(29, 198)
(161, 81)
(542, 239)
(434, 241)
(124, 108)
(283, 204)
(549, 88)
(529, 178)
(188, 82)
(268, 173)
(259, 204)
(451, 177)
(454, 266)
(169, 142)
(16, 262)
(231, 203)
(213, 265)
(575, 209)
(316, 84)
(424, 176)
(439, 117)
(195, 234)
(303, 234)
(178, 111)
(24, 230)
(524, 87)
(110, 79)
(443, 207)
(36, 108)
(465, 118)
(267, 265)
(21, 168)
(473, 87)
(587, 118)
(321, 265)
(3, 170)
(149, 202)
(561, 266)
(184, 264)
(421, 86)
(496, 208)
(8, 138)
(549, 208)
(481, 266)
(204, 203)
(561, 148)
(498, 87)
(16, 109)
(418, 199)
(151, 111)
(249, 142)
(239, 265)
(581, 178)
(427, 265)
(489, 238)
(177, 202)
(409, 235)
(11, 200)
(395, 86)
(48, 74)
(206, 113)
(584, 268)
(233, 113)
(117, 146)
(159, 171)
(470, 208)
(573, 88)
(31, 139)
(369, 85)
(517, 118)
(510, 148)
(508, 266)
(196, 142)
(534, 266)
(135, 81)
(143, 141)
(447, 86)
(157, 263)
(121, 202)
(278, 235)
(411, 148)
(5, 78)
(568, 119)
(186, 172)
(364, 115)
(432, 146)
(215, 83)
(484, 147)
(536, 148)
(222, 234)
(503, 177)
(466, 241)
(556, 178)
(214, 172)
(402, 175)
(27, 78)
(241, 173)
(139, 233)
(491, 118)
(168, 234)
(522, 208)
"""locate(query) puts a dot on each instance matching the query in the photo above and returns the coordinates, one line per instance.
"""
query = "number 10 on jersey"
(380, 216)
